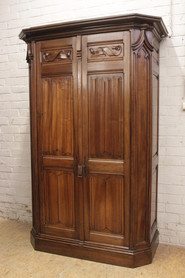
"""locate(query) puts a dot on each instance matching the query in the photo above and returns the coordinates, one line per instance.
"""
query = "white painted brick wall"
(15, 185)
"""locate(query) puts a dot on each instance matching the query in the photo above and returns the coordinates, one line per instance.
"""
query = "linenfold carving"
(57, 55)
(106, 51)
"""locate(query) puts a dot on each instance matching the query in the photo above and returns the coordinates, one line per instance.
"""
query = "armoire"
(94, 110)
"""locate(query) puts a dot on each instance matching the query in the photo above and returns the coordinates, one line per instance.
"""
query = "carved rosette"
(57, 55)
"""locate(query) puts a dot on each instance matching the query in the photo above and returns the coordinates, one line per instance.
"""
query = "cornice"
(98, 25)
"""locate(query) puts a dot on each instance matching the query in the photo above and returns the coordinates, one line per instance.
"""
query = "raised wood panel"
(142, 142)
(57, 116)
(113, 166)
(155, 57)
(58, 161)
(49, 70)
(106, 196)
(106, 38)
(57, 43)
(105, 67)
(59, 201)
(154, 196)
(106, 116)
(155, 134)
(155, 113)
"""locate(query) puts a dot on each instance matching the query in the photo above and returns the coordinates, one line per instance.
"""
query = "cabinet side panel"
(141, 138)
(155, 135)
(141, 135)
(155, 112)
(154, 197)
(32, 58)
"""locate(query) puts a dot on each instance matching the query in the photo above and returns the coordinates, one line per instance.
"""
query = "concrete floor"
(18, 259)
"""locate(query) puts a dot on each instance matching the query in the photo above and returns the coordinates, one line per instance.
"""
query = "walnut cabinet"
(94, 105)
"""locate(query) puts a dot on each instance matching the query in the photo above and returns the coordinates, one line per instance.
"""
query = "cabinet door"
(57, 143)
(106, 137)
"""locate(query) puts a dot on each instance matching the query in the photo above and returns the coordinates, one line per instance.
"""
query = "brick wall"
(15, 185)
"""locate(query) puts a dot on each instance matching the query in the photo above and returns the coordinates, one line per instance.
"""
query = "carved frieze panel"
(57, 55)
(105, 52)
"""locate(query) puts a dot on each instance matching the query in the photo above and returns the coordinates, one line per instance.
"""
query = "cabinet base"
(94, 252)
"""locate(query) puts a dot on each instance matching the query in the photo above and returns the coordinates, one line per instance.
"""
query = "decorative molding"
(29, 55)
(105, 51)
(142, 42)
(78, 54)
(98, 25)
(57, 55)
(146, 54)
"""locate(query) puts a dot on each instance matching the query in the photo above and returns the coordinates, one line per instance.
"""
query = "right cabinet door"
(106, 137)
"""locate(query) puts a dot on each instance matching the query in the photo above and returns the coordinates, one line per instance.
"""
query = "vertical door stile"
(84, 130)
(39, 140)
(79, 139)
(34, 72)
(127, 135)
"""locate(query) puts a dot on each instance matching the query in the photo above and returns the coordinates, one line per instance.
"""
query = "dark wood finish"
(57, 138)
(106, 137)
(100, 25)
(141, 126)
(94, 105)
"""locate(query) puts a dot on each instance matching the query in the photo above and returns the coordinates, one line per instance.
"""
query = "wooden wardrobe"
(94, 105)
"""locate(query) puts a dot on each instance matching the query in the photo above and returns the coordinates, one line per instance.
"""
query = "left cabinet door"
(57, 137)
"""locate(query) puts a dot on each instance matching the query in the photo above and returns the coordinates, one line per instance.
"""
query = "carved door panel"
(106, 137)
(57, 145)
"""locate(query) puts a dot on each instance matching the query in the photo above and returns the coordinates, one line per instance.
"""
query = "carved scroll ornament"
(57, 55)
(105, 51)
